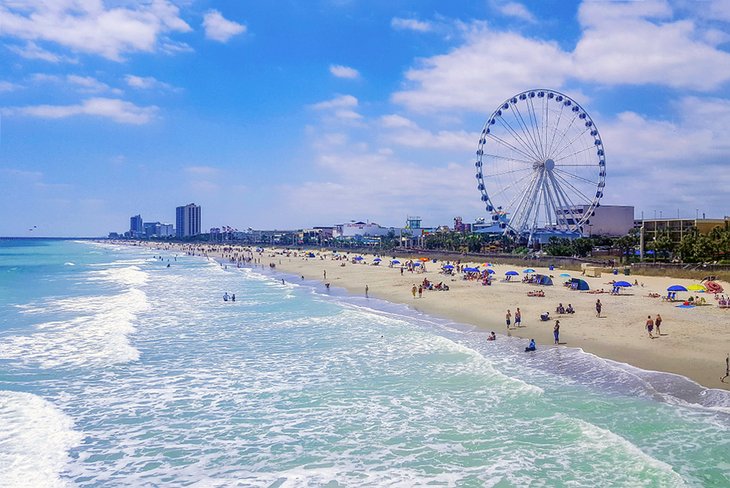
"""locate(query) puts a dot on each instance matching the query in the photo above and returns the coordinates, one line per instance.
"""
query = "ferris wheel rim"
(551, 173)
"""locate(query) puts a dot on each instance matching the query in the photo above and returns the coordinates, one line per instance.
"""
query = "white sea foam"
(98, 335)
(127, 275)
(69, 263)
(34, 441)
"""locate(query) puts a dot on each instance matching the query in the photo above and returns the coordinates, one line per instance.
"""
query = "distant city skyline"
(360, 110)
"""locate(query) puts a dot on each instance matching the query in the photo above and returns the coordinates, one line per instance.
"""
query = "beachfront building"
(166, 230)
(136, 226)
(607, 220)
(187, 220)
(151, 229)
(677, 228)
(353, 229)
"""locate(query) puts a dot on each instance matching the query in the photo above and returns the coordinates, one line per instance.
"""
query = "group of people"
(560, 309)
(231, 297)
(518, 318)
(654, 323)
(428, 285)
(536, 293)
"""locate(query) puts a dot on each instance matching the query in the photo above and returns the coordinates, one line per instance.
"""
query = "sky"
(293, 114)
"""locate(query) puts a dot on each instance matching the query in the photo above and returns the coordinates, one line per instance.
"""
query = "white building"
(353, 229)
(607, 220)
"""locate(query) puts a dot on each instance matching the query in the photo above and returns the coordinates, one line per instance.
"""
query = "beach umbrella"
(377, 260)
(448, 266)
(528, 270)
(511, 273)
(676, 288)
(470, 270)
(622, 284)
(416, 264)
(564, 275)
(696, 288)
(395, 261)
(424, 259)
(358, 258)
(487, 264)
(491, 271)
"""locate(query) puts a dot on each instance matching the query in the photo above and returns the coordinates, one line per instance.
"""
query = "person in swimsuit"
(650, 326)
(657, 323)
(556, 332)
(598, 308)
(518, 317)
(508, 318)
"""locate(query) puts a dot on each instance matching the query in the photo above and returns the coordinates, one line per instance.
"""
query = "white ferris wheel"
(540, 164)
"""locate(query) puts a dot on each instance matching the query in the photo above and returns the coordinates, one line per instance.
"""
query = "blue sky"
(293, 114)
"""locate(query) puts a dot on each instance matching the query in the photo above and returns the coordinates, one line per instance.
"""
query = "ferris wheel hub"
(549, 164)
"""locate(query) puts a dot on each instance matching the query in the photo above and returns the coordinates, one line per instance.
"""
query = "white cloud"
(404, 132)
(630, 43)
(31, 50)
(477, 75)
(114, 109)
(146, 83)
(88, 84)
(517, 10)
(90, 27)
(342, 107)
(340, 71)
(410, 24)
(202, 170)
(6, 86)
(220, 29)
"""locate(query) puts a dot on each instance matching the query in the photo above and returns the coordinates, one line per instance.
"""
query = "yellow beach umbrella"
(697, 288)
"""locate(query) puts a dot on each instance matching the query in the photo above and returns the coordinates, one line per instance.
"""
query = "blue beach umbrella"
(358, 258)
(564, 275)
(416, 264)
(528, 270)
(622, 284)
(511, 273)
(448, 266)
(377, 260)
(395, 261)
(471, 270)
(491, 271)
(676, 288)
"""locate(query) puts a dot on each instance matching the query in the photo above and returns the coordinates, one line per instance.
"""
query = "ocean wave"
(98, 335)
(35, 439)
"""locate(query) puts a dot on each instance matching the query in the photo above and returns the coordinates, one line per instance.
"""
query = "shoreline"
(693, 342)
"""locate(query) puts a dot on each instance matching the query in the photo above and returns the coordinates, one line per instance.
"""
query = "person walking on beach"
(727, 369)
(598, 307)
(414, 290)
(518, 318)
(508, 318)
(420, 291)
(650, 326)
(556, 332)
(366, 291)
(324, 273)
(657, 323)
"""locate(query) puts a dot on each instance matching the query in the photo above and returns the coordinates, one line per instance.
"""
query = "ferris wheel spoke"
(518, 138)
(526, 130)
(563, 136)
(535, 125)
(496, 156)
(526, 202)
(506, 172)
(572, 175)
(575, 165)
(507, 144)
(509, 187)
(575, 153)
(560, 152)
(566, 205)
(572, 187)
(555, 129)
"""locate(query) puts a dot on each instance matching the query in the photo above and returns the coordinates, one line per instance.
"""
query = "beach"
(693, 343)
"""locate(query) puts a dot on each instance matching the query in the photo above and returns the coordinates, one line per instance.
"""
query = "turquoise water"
(116, 370)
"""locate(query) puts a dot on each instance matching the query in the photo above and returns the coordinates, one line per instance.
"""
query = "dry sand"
(694, 341)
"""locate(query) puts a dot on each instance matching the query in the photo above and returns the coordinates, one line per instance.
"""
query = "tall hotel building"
(187, 220)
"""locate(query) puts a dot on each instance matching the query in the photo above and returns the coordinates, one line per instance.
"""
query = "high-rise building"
(187, 220)
(136, 227)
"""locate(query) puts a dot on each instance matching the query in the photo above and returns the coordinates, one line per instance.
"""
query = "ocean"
(117, 370)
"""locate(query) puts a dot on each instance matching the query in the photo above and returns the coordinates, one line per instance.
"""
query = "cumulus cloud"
(402, 131)
(517, 10)
(31, 50)
(340, 71)
(219, 28)
(90, 27)
(410, 24)
(6, 86)
(111, 108)
(341, 107)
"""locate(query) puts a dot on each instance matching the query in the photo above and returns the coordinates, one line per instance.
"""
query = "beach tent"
(543, 280)
(578, 284)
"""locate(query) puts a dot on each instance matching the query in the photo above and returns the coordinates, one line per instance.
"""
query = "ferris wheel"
(540, 164)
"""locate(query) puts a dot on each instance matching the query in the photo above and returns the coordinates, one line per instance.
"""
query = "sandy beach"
(693, 342)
